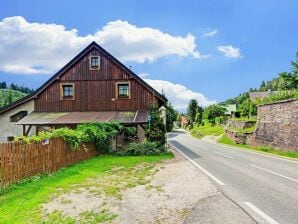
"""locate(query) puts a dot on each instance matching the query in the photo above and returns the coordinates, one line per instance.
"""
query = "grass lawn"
(21, 203)
(201, 131)
(226, 140)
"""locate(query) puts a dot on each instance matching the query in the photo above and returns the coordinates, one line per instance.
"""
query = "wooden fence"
(18, 161)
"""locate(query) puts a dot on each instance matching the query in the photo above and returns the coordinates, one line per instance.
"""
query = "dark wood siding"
(94, 89)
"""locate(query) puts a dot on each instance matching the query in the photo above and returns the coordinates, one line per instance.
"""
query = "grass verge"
(201, 131)
(21, 203)
(226, 140)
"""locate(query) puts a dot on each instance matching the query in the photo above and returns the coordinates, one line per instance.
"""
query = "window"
(18, 116)
(94, 62)
(10, 138)
(123, 90)
(67, 91)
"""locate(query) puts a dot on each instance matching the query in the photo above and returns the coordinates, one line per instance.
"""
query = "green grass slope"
(8, 96)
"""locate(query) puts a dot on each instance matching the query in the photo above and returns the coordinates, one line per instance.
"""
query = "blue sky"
(237, 43)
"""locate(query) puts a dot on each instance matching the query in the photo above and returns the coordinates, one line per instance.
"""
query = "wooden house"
(93, 86)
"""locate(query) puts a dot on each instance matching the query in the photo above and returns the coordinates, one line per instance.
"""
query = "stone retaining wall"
(240, 124)
(277, 125)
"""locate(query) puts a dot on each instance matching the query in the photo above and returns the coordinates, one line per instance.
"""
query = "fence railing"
(19, 161)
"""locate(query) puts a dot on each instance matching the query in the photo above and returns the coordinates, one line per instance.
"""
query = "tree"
(263, 86)
(214, 111)
(192, 111)
(156, 131)
(199, 115)
(3, 85)
(171, 115)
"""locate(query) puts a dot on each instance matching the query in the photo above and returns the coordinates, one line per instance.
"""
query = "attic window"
(123, 90)
(18, 116)
(94, 62)
(67, 91)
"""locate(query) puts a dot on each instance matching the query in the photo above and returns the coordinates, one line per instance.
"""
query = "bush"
(130, 134)
(237, 114)
(157, 130)
(101, 134)
(145, 148)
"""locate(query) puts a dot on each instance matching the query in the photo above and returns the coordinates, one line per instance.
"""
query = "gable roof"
(70, 64)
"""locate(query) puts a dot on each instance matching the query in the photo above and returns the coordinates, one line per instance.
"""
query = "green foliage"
(171, 115)
(226, 140)
(238, 100)
(157, 130)
(145, 148)
(22, 203)
(129, 131)
(278, 96)
(100, 134)
(207, 129)
(192, 111)
(247, 108)
(73, 137)
(7, 96)
(284, 81)
(213, 111)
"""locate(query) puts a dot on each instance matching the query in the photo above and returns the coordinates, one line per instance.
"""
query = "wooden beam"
(24, 129)
(28, 130)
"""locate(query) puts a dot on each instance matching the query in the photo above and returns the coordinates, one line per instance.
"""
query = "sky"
(208, 50)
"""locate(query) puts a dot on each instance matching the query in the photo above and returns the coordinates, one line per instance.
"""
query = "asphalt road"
(265, 187)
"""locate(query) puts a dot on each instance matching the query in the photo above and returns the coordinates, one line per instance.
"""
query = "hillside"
(284, 82)
(8, 96)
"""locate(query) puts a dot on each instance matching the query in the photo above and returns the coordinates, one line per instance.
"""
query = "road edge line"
(198, 166)
(260, 213)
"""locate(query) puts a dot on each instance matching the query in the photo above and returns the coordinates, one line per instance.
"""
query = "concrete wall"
(277, 125)
(8, 128)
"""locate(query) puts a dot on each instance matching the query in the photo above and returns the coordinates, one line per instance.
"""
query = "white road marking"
(229, 147)
(224, 155)
(269, 171)
(261, 213)
(198, 166)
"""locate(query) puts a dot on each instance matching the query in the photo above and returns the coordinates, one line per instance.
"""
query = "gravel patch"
(173, 190)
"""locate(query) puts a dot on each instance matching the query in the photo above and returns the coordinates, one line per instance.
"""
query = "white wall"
(8, 128)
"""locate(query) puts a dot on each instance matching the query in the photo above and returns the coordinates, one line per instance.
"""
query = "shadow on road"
(185, 150)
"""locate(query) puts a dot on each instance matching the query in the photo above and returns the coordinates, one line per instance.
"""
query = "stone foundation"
(240, 124)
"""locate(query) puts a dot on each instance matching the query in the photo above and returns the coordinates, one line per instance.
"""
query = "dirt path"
(166, 195)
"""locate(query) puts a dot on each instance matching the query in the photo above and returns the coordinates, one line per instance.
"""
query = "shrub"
(145, 148)
(101, 134)
(73, 137)
(237, 114)
(130, 133)
(157, 130)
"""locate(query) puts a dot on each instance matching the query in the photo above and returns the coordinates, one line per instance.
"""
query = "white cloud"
(178, 94)
(31, 48)
(230, 51)
(211, 33)
(144, 75)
